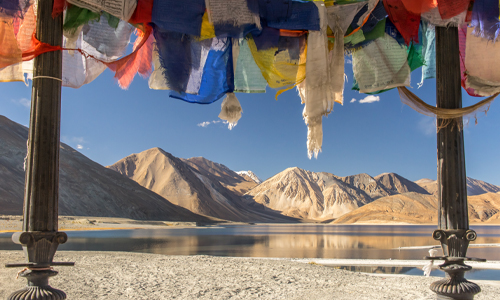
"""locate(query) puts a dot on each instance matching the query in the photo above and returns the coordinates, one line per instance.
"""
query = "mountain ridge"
(86, 188)
(196, 184)
(474, 186)
(156, 185)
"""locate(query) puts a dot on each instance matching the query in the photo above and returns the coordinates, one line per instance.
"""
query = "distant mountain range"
(156, 185)
(200, 185)
(86, 188)
(474, 187)
(250, 175)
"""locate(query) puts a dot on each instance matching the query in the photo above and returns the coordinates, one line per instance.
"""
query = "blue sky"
(106, 124)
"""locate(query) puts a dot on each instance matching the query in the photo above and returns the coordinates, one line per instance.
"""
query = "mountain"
(429, 185)
(397, 184)
(484, 208)
(187, 183)
(13, 139)
(403, 208)
(415, 208)
(474, 186)
(307, 195)
(86, 188)
(478, 187)
(218, 172)
(250, 175)
(293, 192)
(367, 184)
(340, 198)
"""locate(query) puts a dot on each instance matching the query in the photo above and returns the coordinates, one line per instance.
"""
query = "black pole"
(40, 237)
(453, 220)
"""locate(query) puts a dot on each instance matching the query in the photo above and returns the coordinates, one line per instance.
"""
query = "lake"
(274, 240)
(284, 240)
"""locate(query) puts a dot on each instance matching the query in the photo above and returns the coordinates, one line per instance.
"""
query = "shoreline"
(13, 223)
(125, 275)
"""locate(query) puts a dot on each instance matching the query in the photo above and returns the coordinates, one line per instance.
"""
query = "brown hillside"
(225, 176)
(403, 208)
(396, 184)
(416, 208)
(172, 178)
(484, 208)
(474, 186)
(85, 187)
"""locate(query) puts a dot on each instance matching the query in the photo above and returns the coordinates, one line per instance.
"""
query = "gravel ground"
(123, 275)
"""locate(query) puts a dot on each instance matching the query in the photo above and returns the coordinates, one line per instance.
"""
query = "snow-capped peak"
(251, 175)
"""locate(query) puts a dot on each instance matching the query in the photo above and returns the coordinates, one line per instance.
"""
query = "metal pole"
(40, 237)
(453, 220)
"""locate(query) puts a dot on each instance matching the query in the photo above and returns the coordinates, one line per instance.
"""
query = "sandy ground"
(122, 275)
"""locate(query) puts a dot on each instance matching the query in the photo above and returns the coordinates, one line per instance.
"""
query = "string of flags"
(204, 50)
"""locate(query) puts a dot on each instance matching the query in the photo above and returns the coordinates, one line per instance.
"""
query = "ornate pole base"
(454, 286)
(39, 248)
(38, 286)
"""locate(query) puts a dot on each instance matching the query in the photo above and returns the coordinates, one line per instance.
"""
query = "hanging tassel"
(428, 267)
(314, 125)
(231, 110)
(314, 134)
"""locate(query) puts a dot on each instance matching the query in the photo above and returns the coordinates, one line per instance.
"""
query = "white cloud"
(427, 126)
(75, 141)
(79, 140)
(353, 100)
(24, 102)
(370, 99)
(204, 124)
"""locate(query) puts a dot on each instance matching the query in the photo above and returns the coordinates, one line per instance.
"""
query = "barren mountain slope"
(478, 187)
(13, 138)
(293, 192)
(396, 184)
(176, 180)
(218, 172)
(417, 208)
(403, 208)
(474, 186)
(494, 220)
(340, 198)
(308, 195)
(86, 188)
(249, 175)
(429, 185)
(484, 207)
(368, 184)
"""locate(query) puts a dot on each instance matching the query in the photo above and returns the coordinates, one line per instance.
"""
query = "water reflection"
(474, 274)
(281, 240)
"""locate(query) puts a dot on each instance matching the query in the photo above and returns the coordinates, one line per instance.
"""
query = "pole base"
(38, 293)
(449, 288)
(455, 286)
(38, 286)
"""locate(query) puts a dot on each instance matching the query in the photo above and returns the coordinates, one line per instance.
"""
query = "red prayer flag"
(450, 8)
(406, 22)
(142, 13)
(419, 6)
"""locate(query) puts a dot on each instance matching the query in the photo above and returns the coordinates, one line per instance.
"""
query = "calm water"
(275, 240)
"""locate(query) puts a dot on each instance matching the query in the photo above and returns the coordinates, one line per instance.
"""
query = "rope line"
(49, 77)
